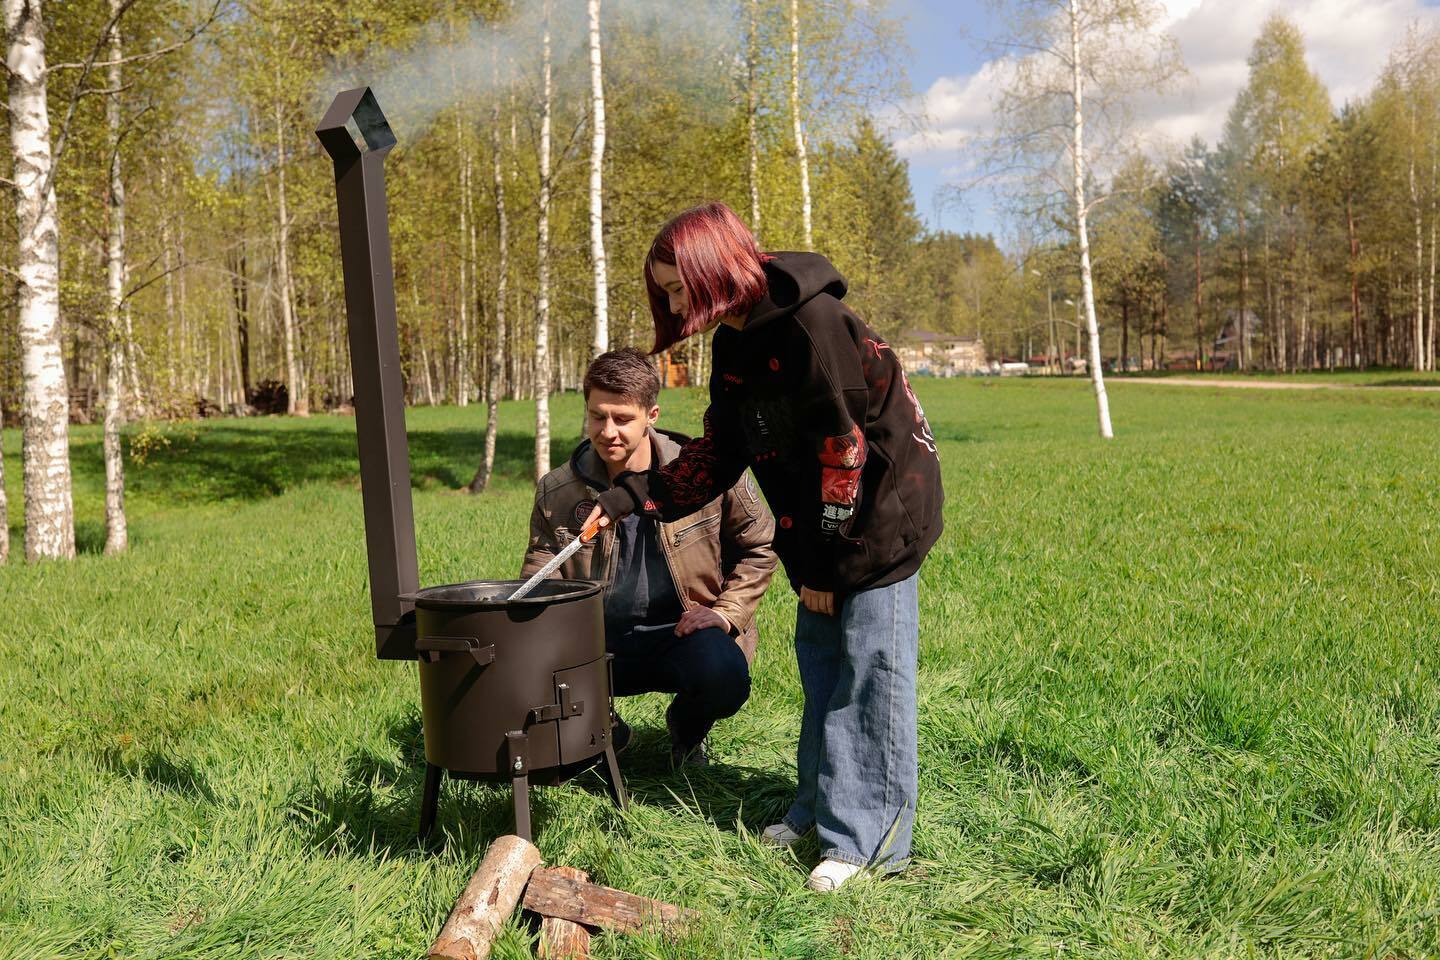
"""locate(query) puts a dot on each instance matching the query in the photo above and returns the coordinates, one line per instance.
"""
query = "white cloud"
(1346, 42)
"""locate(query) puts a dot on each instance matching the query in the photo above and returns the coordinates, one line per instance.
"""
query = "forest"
(176, 251)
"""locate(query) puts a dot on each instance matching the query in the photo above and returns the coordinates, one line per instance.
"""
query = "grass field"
(1178, 698)
(1347, 378)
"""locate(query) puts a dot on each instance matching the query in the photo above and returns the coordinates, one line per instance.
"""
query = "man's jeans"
(858, 764)
(706, 671)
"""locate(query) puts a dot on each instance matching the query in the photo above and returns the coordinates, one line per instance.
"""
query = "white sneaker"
(831, 874)
(778, 835)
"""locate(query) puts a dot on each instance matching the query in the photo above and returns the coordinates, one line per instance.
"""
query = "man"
(681, 597)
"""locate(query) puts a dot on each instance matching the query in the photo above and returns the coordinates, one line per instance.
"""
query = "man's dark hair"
(627, 372)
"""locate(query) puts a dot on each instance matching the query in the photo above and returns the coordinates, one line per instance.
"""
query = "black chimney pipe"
(357, 137)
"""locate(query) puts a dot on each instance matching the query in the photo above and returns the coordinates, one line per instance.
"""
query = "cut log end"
(562, 939)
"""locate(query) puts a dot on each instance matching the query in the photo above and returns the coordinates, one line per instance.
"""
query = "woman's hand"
(699, 618)
(818, 601)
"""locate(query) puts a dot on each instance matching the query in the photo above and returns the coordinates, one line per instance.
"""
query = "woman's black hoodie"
(816, 403)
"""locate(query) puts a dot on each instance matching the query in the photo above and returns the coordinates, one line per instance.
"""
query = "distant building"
(924, 353)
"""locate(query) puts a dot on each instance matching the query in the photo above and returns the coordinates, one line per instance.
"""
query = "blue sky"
(954, 79)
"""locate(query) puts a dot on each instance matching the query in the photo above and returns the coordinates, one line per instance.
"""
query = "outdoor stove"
(515, 690)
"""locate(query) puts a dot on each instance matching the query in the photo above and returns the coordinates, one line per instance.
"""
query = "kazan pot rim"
(495, 594)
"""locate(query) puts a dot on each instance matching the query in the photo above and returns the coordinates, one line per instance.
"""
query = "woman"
(816, 403)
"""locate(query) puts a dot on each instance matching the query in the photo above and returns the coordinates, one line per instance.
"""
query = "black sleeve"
(705, 468)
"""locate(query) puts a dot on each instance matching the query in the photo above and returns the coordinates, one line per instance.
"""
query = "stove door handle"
(431, 649)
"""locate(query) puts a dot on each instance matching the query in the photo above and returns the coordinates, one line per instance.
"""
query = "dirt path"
(1266, 384)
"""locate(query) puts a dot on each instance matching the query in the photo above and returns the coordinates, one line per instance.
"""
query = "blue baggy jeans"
(857, 765)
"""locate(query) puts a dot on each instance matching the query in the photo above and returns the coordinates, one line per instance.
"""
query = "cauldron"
(514, 690)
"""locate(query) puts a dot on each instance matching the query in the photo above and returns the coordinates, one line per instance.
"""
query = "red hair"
(719, 264)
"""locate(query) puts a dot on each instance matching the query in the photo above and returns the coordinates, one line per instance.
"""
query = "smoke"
(464, 64)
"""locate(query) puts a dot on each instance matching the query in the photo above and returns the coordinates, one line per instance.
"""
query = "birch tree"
(49, 511)
(601, 341)
(1076, 61)
(800, 155)
(752, 107)
(542, 294)
(116, 532)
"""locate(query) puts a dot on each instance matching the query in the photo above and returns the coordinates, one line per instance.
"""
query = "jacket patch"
(582, 511)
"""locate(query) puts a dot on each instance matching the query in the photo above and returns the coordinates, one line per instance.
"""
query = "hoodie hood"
(795, 279)
(664, 445)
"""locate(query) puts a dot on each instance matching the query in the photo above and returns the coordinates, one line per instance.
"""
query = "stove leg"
(520, 798)
(613, 780)
(516, 743)
(430, 798)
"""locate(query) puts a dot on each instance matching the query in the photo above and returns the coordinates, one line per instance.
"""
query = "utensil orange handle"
(587, 532)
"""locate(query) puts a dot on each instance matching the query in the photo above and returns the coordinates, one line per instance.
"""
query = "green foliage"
(1177, 698)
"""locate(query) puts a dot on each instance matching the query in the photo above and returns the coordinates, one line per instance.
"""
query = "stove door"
(582, 716)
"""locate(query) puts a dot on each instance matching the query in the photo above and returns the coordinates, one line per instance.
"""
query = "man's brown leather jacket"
(719, 556)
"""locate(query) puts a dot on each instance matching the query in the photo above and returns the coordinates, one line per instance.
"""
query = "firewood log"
(562, 939)
(489, 898)
(551, 893)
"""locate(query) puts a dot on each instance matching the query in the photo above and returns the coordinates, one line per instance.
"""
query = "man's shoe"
(694, 756)
(778, 835)
(831, 875)
(684, 754)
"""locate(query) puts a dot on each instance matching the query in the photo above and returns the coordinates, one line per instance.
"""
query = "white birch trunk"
(799, 130)
(462, 360)
(601, 341)
(1430, 291)
(497, 341)
(45, 411)
(542, 301)
(1417, 355)
(117, 535)
(751, 107)
(1087, 286)
(462, 333)
(296, 401)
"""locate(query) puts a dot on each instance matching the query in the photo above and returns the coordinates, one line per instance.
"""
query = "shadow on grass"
(243, 462)
(376, 807)
(176, 776)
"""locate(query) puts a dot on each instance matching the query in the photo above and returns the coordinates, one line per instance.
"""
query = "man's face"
(616, 425)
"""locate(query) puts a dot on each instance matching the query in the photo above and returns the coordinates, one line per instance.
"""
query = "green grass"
(1178, 698)
(1351, 378)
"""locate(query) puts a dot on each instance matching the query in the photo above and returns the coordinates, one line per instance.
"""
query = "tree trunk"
(1417, 341)
(1429, 339)
(751, 108)
(1199, 305)
(1355, 331)
(1243, 324)
(1087, 287)
(795, 118)
(116, 534)
(488, 900)
(240, 290)
(45, 412)
(462, 333)
(601, 340)
(497, 341)
(1124, 363)
(542, 304)
(297, 402)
